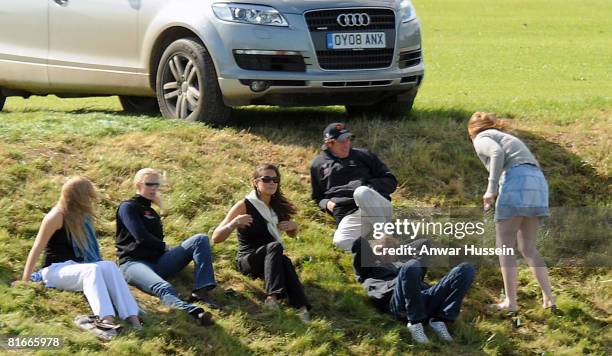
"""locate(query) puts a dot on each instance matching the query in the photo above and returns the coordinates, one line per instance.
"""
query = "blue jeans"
(442, 301)
(149, 277)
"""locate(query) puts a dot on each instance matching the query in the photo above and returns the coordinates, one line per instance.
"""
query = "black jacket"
(140, 234)
(336, 179)
(376, 277)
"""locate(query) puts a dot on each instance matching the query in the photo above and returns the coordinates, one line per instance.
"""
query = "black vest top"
(253, 237)
(59, 249)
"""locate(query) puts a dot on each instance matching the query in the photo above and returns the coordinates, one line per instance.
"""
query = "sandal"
(104, 325)
(202, 317)
(554, 310)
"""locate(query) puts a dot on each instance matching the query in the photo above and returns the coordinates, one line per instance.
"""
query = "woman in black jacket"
(145, 260)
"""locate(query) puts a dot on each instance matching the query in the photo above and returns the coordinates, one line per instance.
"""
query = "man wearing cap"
(351, 184)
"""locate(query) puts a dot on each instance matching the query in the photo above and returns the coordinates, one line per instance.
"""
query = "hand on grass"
(18, 283)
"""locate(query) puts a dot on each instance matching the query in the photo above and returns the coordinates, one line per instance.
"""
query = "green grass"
(525, 58)
(543, 63)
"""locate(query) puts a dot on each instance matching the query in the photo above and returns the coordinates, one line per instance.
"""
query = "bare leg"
(506, 235)
(526, 244)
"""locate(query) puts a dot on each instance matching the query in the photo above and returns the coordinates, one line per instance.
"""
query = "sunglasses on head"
(268, 179)
(151, 184)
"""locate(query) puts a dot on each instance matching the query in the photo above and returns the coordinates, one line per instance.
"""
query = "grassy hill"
(543, 63)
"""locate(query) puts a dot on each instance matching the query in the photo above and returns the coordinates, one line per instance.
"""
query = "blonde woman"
(522, 200)
(72, 260)
(146, 261)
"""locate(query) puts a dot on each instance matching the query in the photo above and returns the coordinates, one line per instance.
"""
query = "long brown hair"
(481, 121)
(76, 204)
(283, 208)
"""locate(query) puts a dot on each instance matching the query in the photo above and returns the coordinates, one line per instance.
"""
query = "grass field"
(543, 63)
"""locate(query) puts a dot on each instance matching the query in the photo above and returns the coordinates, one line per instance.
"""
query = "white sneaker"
(440, 328)
(418, 333)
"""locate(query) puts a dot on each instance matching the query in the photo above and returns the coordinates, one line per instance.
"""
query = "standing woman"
(72, 259)
(260, 218)
(522, 200)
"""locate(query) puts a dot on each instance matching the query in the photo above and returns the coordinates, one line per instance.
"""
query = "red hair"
(481, 121)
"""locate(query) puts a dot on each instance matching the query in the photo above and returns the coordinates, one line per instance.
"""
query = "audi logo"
(353, 20)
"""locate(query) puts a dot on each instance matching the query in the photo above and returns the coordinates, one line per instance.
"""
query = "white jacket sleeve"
(495, 156)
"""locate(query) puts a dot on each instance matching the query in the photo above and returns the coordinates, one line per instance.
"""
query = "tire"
(139, 104)
(393, 107)
(187, 86)
(2, 99)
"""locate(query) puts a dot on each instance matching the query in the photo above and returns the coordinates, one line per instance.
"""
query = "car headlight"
(252, 14)
(407, 9)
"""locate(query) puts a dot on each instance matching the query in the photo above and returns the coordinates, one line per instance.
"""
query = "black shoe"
(204, 297)
(202, 317)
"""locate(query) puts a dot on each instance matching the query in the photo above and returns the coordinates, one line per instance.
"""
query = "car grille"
(321, 22)
(349, 59)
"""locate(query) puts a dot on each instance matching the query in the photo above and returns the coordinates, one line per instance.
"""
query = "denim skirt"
(523, 191)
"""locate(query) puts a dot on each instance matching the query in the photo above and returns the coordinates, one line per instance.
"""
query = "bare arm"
(50, 224)
(236, 217)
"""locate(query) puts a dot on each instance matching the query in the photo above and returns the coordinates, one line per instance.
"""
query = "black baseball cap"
(336, 131)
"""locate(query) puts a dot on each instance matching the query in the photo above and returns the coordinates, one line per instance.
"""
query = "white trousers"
(101, 282)
(373, 208)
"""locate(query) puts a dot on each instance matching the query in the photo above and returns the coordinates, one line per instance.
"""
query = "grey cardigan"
(500, 151)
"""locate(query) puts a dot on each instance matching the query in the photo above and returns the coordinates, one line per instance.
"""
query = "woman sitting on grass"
(72, 261)
(522, 200)
(260, 218)
(146, 261)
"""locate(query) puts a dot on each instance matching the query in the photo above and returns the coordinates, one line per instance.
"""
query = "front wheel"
(187, 86)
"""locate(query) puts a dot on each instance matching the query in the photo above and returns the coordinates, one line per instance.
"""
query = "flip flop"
(554, 310)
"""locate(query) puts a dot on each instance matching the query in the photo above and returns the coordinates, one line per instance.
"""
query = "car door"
(24, 44)
(93, 46)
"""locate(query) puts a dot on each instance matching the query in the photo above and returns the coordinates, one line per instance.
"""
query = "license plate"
(356, 40)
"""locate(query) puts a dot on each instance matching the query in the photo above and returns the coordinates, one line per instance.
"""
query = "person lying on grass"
(398, 288)
(146, 262)
(351, 184)
(260, 218)
(521, 202)
(72, 259)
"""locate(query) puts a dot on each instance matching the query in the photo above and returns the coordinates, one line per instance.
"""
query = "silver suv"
(195, 59)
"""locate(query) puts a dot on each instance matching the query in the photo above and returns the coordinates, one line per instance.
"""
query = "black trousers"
(277, 271)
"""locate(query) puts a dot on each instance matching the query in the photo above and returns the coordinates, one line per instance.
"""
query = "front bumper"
(315, 85)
